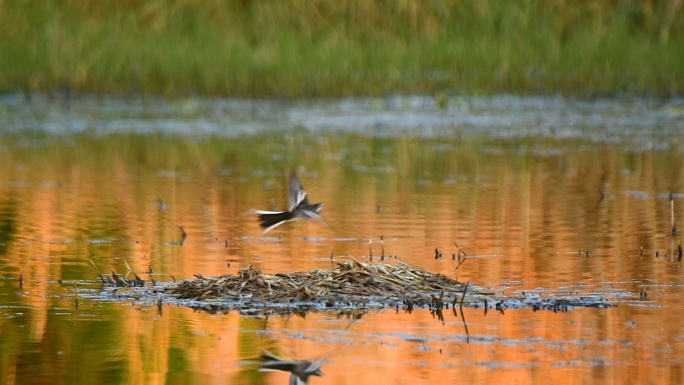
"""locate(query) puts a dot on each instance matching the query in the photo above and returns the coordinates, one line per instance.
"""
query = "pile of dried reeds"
(347, 282)
(348, 285)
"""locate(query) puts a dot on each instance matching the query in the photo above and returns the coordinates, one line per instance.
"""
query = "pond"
(546, 196)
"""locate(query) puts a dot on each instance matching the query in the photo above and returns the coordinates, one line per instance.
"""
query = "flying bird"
(299, 370)
(300, 208)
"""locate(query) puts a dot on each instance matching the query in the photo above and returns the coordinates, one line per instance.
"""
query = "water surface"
(546, 195)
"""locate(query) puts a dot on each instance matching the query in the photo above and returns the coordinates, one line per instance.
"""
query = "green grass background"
(303, 48)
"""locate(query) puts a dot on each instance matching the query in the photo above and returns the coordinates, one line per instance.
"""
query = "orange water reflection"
(527, 221)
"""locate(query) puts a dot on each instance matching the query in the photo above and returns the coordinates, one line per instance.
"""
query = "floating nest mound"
(350, 285)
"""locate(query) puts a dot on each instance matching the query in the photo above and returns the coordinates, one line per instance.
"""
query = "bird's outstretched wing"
(313, 215)
(297, 192)
(314, 367)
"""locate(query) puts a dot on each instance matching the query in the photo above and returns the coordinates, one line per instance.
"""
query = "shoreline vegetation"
(323, 48)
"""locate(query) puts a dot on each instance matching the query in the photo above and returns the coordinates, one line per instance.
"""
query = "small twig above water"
(463, 296)
(602, 196)
(137, 281)
(460, 256)
(465, 325)
(183, 234)
(438, 305)
(160, 204)
(672, 215)
(120, 282)
(104, 281)
(461, 252)
(438, 255)
(370, 247)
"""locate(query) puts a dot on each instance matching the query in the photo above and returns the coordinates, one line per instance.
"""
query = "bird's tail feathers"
(269, 220)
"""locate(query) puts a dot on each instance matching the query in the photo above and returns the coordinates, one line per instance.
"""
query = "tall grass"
(265, 48)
